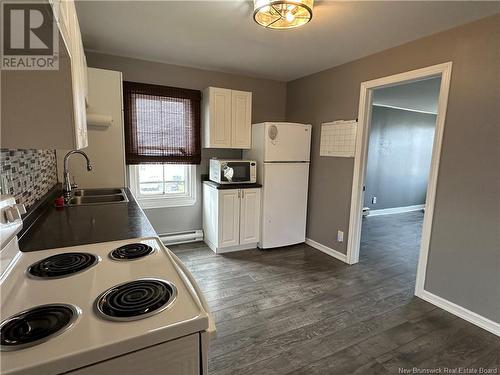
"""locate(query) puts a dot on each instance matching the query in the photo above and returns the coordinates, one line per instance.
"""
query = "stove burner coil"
(36, 325)
(62, 265)
(135, 300)
(131, 251)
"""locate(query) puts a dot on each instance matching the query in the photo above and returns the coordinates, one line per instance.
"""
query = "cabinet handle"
(243, 193)
(239, 193)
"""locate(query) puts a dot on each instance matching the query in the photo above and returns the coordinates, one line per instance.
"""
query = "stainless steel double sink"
(84, 197)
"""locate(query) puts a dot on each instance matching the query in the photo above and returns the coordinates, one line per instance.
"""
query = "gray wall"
(269, 100)
(464, 257)
(399, 157)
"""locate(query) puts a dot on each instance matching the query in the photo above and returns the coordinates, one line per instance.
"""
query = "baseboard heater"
(182, 237)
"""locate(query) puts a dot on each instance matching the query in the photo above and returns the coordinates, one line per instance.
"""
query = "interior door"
(241, 135)
(284, 204)
(287, 142)
(229, 218)
(250, 216)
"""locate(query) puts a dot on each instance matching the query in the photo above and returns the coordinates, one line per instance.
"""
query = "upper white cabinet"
(47, 108)
(241, 129)
(216, 108)
(227, 118)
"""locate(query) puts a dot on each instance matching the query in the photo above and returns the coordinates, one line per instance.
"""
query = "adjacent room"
(400, 144)
(249, 187)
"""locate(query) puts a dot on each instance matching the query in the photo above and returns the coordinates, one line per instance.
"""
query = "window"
(163, 185)
(162, 124)
(162, 143)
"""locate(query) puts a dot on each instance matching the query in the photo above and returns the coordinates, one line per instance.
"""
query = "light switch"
(340, 236)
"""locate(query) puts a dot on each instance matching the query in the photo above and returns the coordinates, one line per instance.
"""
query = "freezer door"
(284, 204)
(287, 142)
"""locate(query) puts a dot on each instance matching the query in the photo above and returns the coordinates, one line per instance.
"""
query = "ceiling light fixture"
(282, 14)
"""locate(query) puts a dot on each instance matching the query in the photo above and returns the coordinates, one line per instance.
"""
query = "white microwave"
(233, 171)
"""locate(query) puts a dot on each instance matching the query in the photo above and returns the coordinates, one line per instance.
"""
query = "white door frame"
(360, 160)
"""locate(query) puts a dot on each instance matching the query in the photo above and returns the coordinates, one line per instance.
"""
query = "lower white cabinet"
(231, 218)
(250, 216)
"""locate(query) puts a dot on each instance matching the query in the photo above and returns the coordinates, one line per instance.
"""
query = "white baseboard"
(327, 250)
(461, 312)
(396, 210)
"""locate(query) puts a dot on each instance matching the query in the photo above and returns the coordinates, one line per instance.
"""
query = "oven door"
(235, 172)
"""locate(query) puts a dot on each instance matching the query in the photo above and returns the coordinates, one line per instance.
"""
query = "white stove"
(127, 307)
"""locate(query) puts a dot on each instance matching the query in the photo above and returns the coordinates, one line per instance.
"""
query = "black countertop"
(232, 186)
(80, 225)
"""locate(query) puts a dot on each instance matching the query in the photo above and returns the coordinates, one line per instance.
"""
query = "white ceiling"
(222, 36)
(419, 96)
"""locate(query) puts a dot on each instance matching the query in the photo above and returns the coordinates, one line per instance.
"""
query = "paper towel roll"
(95, 119)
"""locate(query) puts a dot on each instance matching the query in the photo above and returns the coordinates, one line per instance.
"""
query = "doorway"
(401, 134)
(372, 92)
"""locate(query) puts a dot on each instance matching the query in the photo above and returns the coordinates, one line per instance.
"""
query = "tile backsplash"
(29, 174)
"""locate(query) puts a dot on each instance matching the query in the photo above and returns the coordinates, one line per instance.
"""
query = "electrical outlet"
(374, 200)
(340, 236)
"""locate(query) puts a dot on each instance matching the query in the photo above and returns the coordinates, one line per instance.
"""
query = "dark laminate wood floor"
(295, 310)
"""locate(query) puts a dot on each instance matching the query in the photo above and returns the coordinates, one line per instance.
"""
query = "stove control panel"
(10, 218)
(10, 211)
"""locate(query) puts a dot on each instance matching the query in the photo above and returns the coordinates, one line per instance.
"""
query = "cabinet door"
(79, 70)
(210, 210)
(250, 216)
(229, 218)
(80, 117)
(55, 99)
(220, 118)
(241, 134)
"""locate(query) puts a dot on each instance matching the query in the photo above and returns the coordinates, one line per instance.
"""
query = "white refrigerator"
(282, 151)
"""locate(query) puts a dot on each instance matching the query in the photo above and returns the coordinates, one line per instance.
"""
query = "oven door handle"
(211, 324)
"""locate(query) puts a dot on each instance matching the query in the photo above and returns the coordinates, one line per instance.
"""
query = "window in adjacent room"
(163, 146)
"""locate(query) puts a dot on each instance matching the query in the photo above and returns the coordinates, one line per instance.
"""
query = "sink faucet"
(67, 185)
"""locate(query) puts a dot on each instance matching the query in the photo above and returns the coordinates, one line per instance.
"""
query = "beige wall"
(269, 100)
(269, 97)
(106, 144)
(464, 258)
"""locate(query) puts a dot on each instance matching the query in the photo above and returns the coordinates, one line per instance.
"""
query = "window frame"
(164, 200)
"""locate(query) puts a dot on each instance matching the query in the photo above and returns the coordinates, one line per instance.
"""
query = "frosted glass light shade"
(282, 14)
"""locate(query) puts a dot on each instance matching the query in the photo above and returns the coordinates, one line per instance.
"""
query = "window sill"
(148, 203)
